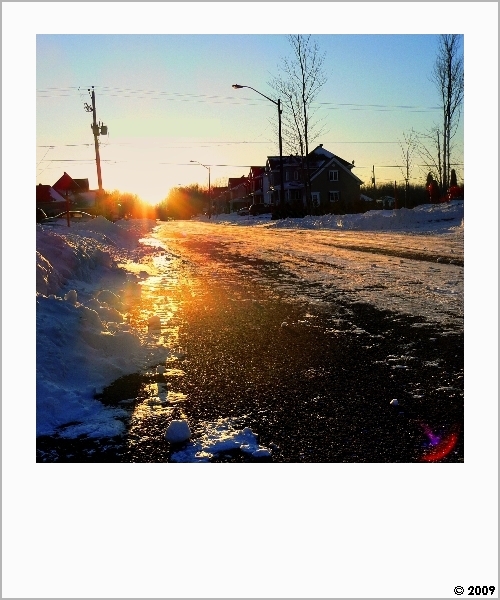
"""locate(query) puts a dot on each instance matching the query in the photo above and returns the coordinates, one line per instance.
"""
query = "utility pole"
(97, 129)
(407, 181)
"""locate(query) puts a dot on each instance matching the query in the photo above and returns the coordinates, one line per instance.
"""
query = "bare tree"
(408, 148)
(448, 75)
(298, 83)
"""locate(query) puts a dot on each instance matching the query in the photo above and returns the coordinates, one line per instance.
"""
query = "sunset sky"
(167, 98)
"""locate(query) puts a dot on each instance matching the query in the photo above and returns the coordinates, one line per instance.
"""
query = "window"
(296, 194)
(333, 196)
(287, 175)
(315, 198)
(333, 175)
(296, 175)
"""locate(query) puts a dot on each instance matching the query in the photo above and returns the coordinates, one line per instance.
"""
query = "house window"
(296, 194)
(287, 175)
(333, 175)
(315, 198)
(333, 196)
(296, 175)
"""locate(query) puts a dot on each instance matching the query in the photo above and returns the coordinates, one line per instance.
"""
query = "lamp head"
(237, 87)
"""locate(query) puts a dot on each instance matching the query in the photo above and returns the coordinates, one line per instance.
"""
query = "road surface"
(329, 346)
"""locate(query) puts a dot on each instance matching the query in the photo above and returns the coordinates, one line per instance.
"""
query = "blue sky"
(167, 98)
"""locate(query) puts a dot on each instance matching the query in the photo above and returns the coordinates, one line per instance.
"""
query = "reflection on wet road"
(310, 374)
(292, 347)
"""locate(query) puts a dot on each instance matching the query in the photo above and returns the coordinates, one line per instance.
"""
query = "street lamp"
(209, 196)
(278, 104)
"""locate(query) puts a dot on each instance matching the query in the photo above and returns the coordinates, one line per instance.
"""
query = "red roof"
(66, 184)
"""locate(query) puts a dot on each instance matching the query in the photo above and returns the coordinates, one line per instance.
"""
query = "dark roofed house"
(259, 186)
(238, 192)
(66, 184)
(49, 200)
(83, 184)
(334, 188)
(219, 199)
(77, 191)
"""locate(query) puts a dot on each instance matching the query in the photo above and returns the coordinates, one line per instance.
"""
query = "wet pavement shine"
(316, 378)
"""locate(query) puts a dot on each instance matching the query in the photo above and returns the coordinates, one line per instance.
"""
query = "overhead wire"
(219, 99)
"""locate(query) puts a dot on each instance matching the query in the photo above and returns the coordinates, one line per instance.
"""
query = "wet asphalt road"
(313, 380)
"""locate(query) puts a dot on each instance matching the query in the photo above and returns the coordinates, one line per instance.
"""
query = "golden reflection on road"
(154, 314)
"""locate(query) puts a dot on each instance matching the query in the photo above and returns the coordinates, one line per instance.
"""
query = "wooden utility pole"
(96, 130)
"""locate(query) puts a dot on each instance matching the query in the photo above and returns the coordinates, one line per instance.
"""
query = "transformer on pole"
(97, 130)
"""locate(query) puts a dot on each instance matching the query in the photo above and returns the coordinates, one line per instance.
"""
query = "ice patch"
(219, 437)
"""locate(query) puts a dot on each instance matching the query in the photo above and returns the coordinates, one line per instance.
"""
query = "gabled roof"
(318, 160)
(83, 184)
(235, 181)
(274, 161)
(322, 154)
(257, 171)
(336, 161)
(46, 193)
(66, 184)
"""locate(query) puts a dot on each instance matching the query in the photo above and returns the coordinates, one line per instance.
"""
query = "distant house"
(238, 188)
(258, 185)
(77, 191)
(49, 200)
(293, 179)
(219, 198)
(333, 185)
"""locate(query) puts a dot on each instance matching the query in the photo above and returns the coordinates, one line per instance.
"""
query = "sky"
(82, 289)
(167, 98)
(173, 103)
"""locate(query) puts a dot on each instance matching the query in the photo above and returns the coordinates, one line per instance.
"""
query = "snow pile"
(435, 218)
(83, 342)
(217, 438)
(427, 217)
(178, 432)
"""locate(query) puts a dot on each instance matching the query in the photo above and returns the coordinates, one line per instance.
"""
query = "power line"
(217, 99)
(200, 144)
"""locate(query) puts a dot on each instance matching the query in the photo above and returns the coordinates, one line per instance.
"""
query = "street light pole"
(209, 194)
(278, 104)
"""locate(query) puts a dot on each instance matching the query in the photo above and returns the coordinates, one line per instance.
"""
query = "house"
(50, 201)
(218, 196)
(334, 188)
(77, 190)
(238, 192)
(258, 185)
(293, 179)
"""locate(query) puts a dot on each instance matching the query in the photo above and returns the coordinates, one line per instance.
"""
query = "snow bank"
(427, 218)
(83, 342)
